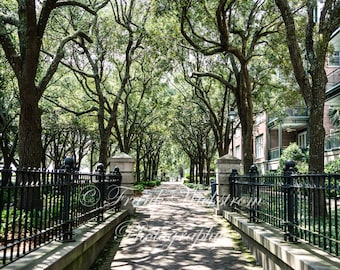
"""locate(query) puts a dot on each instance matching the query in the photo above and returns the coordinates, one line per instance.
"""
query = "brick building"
(272, 135)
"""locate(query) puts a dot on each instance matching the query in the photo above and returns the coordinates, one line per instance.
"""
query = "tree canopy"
(93, 78)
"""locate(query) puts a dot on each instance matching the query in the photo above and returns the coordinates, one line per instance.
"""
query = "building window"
(238, 152)
(260, 118)
(334, 60)
(302, 140)
(259, 146)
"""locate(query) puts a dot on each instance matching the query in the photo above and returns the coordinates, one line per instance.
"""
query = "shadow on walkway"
(174, 228)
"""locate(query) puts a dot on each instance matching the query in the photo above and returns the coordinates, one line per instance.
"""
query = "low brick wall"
(90, 240)
(273, 253)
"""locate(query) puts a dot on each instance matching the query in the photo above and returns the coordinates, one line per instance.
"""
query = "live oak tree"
(308, 62)
(213, 97)
(71, 138)
(34, 61)
(91, 69)
(119, 72)
(235, 28)
(308, 57)
(148, 147)
(192, 131)
(23, 25)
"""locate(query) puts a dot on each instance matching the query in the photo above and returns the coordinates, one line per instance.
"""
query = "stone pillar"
(125, 163)
(224, 167)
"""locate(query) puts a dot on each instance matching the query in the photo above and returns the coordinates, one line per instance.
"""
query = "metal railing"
(39, 206)
(274, 153)
(304, 207)
(332, 141)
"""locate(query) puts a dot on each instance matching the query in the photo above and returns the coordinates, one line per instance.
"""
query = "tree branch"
(57, 59)
(12, 55)
(294, 49)
(69, 110)
(75, 3)
(206, 51)
(8, 20)
(216, 77)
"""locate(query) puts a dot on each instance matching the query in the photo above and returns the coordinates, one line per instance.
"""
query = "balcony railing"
(333, 79)
(332, 141)
(299, 112)
(274, 153)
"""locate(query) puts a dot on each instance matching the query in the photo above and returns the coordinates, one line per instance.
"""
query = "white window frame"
(259, 146)
(302, 140)
(238, 152)
(334, 59)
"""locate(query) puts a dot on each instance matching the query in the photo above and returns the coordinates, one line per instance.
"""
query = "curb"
(269, 248)
(90, 239)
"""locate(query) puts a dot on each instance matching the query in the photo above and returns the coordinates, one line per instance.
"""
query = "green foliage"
(294, 152)
(31, 219)
(8, 195)
(333, 166)
(9, 112)
(8, 215)
(152, 183)
(334, 116)
(196, 186)
(140, 186)
(186, 180)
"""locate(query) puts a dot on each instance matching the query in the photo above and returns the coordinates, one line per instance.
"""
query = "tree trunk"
(30, 144)
(317, 131)
(208, 172)
(317, 138)
(247, 143)
(244, 101)
(318, 197)
(192, 171)
(137, 163)
(201, 170)
(149, 168)
(104, 147)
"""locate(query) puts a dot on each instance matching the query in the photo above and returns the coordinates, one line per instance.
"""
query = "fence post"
(115, 188)
(232, 178)
(289, 200)
(67, 226)
(101, 182)
(253, 173)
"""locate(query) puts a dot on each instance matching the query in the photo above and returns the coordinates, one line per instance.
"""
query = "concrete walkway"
(175, 228)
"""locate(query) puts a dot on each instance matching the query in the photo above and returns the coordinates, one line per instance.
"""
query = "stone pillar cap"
(228, 159)
(122, 155)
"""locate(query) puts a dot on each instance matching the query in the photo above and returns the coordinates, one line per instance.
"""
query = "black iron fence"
(39, 206)
(304, 207)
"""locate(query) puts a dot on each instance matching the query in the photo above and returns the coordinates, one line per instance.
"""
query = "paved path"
(175, 228)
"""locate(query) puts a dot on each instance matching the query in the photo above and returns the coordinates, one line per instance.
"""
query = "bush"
(186, 181)
(294, 152)
(138, 188)
(150, 183)
(196, 186)
(333, 166)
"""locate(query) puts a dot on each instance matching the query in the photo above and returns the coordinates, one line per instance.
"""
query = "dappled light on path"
(175, 228)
